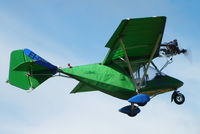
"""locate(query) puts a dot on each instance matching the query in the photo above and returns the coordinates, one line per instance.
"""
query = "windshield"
(151, 74)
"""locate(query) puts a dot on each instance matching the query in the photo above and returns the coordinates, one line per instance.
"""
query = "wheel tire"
(132, 115)
(142, 104)
(179, 98)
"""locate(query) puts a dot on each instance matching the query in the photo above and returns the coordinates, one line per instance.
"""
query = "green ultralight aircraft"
(127, 72)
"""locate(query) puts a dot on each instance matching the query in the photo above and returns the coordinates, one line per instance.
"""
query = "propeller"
(172, 48)
(188, 54)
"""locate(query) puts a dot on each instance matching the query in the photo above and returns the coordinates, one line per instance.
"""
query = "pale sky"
(72, 31)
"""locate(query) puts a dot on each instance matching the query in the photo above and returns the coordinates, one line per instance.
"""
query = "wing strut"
(151, 57)
(128, 63)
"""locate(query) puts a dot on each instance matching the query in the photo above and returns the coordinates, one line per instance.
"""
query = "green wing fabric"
(81, 87)
(139, 37)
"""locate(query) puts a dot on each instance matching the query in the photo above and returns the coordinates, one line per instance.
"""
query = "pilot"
(172, 48)
(175, 48)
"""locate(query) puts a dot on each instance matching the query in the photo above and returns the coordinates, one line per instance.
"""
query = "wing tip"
(127, 19)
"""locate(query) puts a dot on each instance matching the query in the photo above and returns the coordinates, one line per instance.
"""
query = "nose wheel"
(178, 98)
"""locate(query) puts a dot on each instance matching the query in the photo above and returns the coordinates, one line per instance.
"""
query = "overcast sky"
(72, 31)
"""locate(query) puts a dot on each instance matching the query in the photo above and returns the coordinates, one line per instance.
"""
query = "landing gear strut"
(178, 98)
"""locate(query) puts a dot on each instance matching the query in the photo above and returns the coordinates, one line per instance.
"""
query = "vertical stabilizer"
(28, 70)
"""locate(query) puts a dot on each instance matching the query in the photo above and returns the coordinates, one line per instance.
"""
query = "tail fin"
(28, 70)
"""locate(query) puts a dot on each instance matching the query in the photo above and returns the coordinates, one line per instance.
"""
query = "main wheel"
(135, 112)
(132, 115)
(142, 104)
(179, 98)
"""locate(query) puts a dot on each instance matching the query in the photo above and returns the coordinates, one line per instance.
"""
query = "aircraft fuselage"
(114, 81)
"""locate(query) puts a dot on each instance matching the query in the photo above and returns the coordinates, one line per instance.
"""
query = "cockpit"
(150, 75)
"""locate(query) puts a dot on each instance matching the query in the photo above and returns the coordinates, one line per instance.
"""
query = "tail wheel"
(179, 98)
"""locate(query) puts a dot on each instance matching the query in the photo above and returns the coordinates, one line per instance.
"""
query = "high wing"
(139, 37)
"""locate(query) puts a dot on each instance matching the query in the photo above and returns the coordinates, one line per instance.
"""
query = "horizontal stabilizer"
(39, 60)
(81, 87)
(28, 70)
